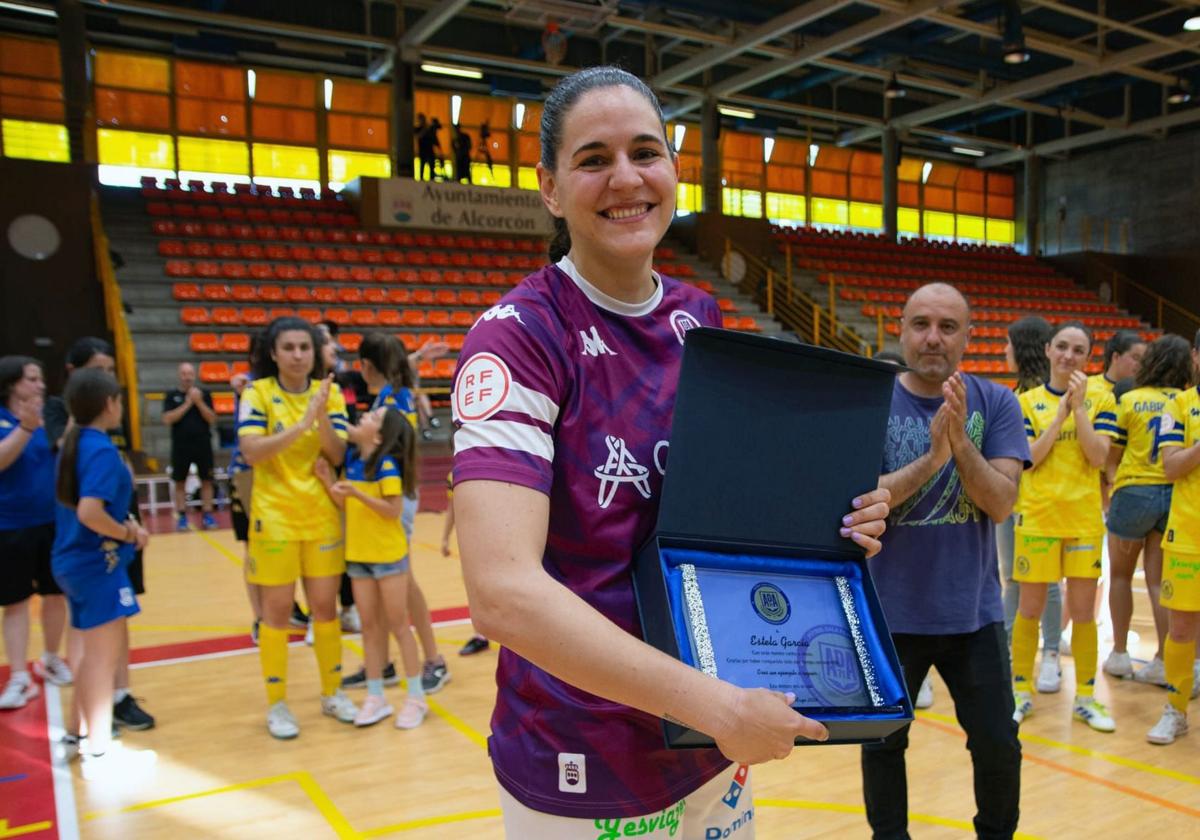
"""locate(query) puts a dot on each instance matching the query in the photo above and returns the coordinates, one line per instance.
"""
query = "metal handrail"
(1160, 303)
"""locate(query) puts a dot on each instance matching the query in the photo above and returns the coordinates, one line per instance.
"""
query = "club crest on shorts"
(769, 602)
(1167, 590)
(572, 772)
(1023, 564)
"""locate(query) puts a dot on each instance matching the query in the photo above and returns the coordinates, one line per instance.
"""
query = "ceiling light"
(43, 11)
(813, 151)
(680, 131)
(455, 108)
(894, 90)
(1192, 24)
(739, 113)
(251, 82)
(768, 147)
(966, 150)
(925, 170)
(1013, 45)
(452, 70)
(1178, 93)
(518, 115)
(328, 94)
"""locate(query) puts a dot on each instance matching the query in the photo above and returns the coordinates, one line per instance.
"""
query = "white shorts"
(722, 809)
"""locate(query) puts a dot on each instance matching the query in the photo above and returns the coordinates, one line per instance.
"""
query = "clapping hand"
(29, 412)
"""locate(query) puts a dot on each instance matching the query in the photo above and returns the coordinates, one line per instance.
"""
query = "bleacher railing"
(776, 293)
(1169, 316)
(114, 314)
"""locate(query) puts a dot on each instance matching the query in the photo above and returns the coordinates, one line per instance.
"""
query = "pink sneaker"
(412, 713)
(374, 709)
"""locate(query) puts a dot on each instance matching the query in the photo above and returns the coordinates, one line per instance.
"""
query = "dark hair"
(559, 103)
(1167, 364)
(331, 327)
(82, 351)
(397, 439)
(87, 395)
(1073, 325)
(389, 357)
(264, 365)
(12, 371)
(1120, 343)
(1029, 337)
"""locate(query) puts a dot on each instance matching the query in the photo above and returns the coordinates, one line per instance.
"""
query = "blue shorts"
(375, 571)
(1138, 509)
(98, 598)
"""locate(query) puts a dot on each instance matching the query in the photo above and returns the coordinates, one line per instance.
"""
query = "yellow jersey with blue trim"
(289, 501)
(1180, 426)
(370, 536)
(1060, 497)
(1139, 415)
(1099, 384)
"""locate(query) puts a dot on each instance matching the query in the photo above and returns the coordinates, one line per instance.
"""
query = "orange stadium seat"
(244, 292)
(399, 296)
(226, 315)
(215, 291)
(204, 343)
(235, 343)
(439, 318)
(364, 318)
(310, 315)
(186, 291)
(255, 316)
(195, 315)
(223, 403)
(390, 318)
(350, 341)
(462, 319)
(214, 372)
(413, 318)
(339, 316)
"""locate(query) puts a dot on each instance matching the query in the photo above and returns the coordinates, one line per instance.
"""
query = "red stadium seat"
(186, 291)
(214, 372)
(226, 315)
(255, 316)
(235, 343)
(195, 315)
(215, 291)
(204, 343)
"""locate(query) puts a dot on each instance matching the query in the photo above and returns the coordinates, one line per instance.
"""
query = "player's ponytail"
(398, 441)
(87, 395)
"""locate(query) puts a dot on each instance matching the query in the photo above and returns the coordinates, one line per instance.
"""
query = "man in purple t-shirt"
(955, 449)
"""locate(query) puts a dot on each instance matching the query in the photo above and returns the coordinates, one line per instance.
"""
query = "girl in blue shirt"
(27, 530)
(94, 544)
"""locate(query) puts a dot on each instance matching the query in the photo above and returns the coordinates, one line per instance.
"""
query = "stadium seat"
(324, 294)
(423, 297)
(235, 343)
(214, 371)
(364, 318)
(374, 295)
(226, 315)
(339, 316)
(244, 292)
(349, 294)
(186, 291)
(310, 315)
(172, 248)
(445, 297)
(350, 341)
(439, 318)
(391, 318)
(195, 315)
(444, 368)
(399, 296)
(215, 291)
(255, 316)
(204, 343)
(413, 318)
(462, 319)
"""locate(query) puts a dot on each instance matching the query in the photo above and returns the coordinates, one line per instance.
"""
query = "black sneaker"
(299, 617)
(129, 714)
(434, 676)
(359, 678)
(476, 644)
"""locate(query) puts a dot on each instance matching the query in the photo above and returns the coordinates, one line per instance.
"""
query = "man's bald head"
(934, 331)
(187, 376)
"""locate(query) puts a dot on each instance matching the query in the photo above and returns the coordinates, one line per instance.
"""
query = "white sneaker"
(351, 623)
(118, 763)
(1118, 665)
(1155, 673)
(281, 723)
(18, 691)
(1064, 642)
(52, 669)
(338, 705)
(1022, 706)
(1094, 713)
(308, 635)
(1170, 726)
(925, 695)
(1049, 678)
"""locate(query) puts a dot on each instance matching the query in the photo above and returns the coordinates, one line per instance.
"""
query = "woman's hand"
(762, 726)
(141, 537)
(866, 523)
(341, 490)
(1077, 390)
(317, 402)
(29, 413)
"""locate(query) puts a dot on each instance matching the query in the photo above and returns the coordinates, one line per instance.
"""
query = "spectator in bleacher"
(954, 454)
(27, 531)
(460, 143)
(93, 352)
(1025, 353)
(188, 411)
(290, 416)
(485, 146)
(429, 149)
(1141, 498)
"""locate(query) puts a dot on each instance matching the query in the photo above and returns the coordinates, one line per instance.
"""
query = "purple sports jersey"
(567, 391)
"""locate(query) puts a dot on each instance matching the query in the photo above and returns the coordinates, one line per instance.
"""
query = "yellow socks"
(1084, 647)
(1177, 660)
(1024, 649)
(327, 644)
(272, 654)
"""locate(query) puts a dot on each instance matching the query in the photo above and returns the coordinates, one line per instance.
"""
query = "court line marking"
(844, 808)
(426, 822)
(233, 558)
(21, 830)
(1071, 771)
(1119, 760)
(65, 808)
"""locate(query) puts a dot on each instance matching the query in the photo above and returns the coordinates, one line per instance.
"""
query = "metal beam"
(420, 32)
(760, 34)
(883, 22)
(1101, 20)
(1103, 135)
(1033, 85)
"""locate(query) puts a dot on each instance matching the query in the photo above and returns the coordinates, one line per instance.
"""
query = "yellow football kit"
(371, 537)
(1180, 427)
(1139, 415)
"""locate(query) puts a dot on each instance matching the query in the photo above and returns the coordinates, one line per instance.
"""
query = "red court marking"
(25, 754)
(1088, 777)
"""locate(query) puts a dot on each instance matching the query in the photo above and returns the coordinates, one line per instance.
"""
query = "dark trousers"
(975, 667)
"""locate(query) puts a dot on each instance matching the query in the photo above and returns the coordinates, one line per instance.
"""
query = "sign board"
(438, 205)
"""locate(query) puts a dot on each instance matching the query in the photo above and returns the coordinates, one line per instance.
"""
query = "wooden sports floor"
(218, 773)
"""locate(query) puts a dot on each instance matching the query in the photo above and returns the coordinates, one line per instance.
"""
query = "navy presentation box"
(747, 576)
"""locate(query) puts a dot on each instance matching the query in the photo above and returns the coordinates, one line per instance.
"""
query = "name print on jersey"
(594, 345)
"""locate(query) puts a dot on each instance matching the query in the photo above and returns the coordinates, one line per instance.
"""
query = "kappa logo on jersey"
(482, 387)
(736, 786)
(681, 322)
(594, 345)
(572, 773)
(502, 312)
(620, 468)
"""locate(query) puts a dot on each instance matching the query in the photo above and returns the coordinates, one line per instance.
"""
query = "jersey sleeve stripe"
(532, 403)
(505, 434)
(252, 424)
(1106, 415)
(1170, 437)
(1106, 427)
